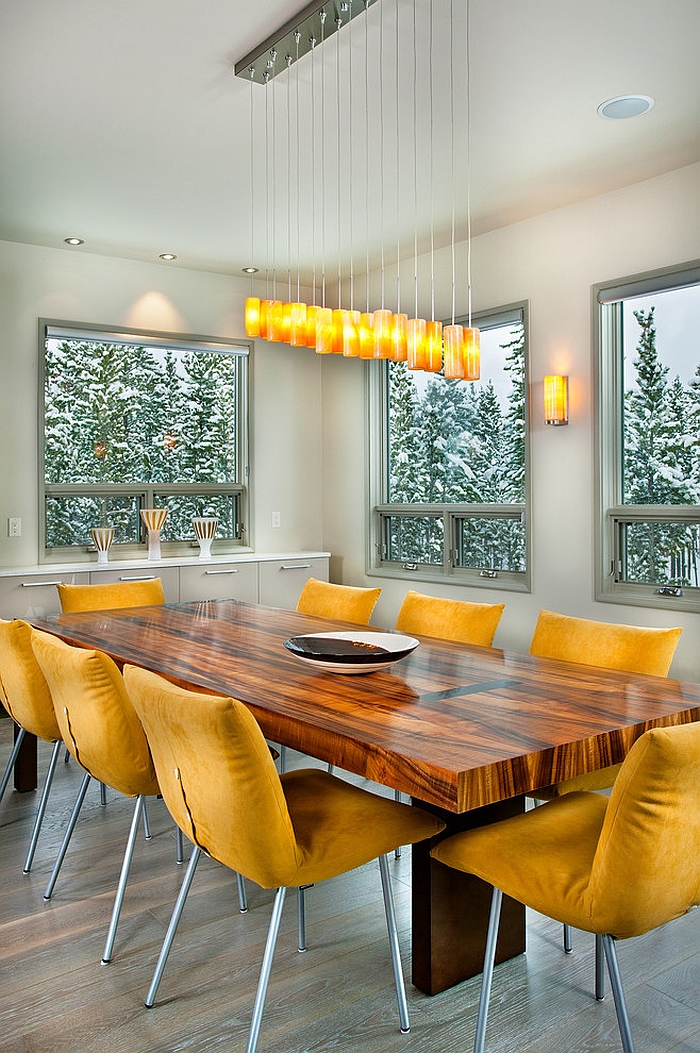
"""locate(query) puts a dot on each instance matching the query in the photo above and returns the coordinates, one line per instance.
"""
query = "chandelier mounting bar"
(259, 66)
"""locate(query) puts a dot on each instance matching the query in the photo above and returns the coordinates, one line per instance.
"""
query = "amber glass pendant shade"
(415, 343)
(381, 324)
(433, 347)
(252, 316)
(274, 321)
(351, 334)
(264, 318)
(311, 325)
(338, 324)
(453, 336)
(366, 335)
(471, 355)
(297, 325)
(324, 331)
(286, 323)
(399, 346)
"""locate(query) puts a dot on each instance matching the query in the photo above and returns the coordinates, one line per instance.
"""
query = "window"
(449, 466)
(134, 420)
(648, 391)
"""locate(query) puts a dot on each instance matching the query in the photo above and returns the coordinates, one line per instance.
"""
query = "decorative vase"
(153, 519)
(102, 538)
(205, 531)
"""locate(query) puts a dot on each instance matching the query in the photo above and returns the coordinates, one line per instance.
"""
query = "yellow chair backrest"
(631, 648)
(217, 777)
(460, 620)
(97, 721)
(346, 603)
(23, 689)
(646, 868)
(109, 597)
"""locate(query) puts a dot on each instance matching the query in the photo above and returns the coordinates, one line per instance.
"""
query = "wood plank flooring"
(56, 997)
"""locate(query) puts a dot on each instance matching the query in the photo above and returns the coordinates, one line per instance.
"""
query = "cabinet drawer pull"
(140, 577)
(295, 566)
(234, 570)
(37, 584)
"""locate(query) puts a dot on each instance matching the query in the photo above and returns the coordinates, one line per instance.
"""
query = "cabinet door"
(168, 575)
(281, 580)
(221, 581)
(35, 595)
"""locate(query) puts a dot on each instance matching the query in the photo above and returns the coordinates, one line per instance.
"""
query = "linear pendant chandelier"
(382, 333)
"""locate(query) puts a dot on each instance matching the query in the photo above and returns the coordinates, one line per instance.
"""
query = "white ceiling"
(121, 123)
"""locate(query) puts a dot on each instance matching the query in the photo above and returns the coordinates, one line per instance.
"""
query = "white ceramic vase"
(153, 519)
(102, 538)
(205, 530)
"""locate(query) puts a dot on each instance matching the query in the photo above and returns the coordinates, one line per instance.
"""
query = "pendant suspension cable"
(381, 140)
(452, 152)
(432, 151)
(297, 37)
(415, 159)
(323, 164)
(313, 168)
(398, 169)
(366, 3)
(273, 55)
(288, 61)
(350, 180)
(338, 25)
(251, 262)
(267, 184)
(469, 164)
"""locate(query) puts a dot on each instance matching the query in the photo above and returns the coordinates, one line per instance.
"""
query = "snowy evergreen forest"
(122, 414)
(454, 443)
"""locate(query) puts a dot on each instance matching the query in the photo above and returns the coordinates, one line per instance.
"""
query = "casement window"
(131, 420)
(648, 435)
(449, 466)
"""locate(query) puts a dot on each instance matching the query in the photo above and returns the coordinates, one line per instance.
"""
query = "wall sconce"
(556, 400)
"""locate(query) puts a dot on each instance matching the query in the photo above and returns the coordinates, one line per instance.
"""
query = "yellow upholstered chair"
(629, 648)
(616, 867)
(104, 735)
(25, 695)
(346, 603)
(280, 831)
(460, 620)
(110, 596)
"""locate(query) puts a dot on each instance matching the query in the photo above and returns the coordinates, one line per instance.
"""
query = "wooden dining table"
(466, 732)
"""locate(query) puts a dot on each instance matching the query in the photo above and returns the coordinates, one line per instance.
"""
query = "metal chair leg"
(103, 794)
(301, 917)
(13, 757)
(242, 895)
(599, 969)
(390, 912)
(146, 821)
(172, 927)
(397, 851)
(264, 980)
(180, 846)
(487, 975)
(618, 993)
(283, 758)
(123, 878)
(567, 939)
(42, 806)
(68, 834)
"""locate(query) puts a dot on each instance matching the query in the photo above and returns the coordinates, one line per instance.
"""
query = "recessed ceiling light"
(623, 106)
(249, 270)
(167, 256)
(74, 241)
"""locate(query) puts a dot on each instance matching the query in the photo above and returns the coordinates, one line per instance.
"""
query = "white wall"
(552, 262)
(72, 285)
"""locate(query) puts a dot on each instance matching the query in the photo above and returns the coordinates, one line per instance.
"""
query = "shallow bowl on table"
(352, 651)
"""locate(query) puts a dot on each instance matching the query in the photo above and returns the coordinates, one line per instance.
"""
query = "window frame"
(378, 510)
(142, 491)
(611, 514)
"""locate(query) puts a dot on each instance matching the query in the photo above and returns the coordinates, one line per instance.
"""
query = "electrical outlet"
(14, 527)
(277, 519)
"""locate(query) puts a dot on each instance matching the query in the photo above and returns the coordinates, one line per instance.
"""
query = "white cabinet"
(168, 575)
(281, 580)
(223, 581)
(35, 595)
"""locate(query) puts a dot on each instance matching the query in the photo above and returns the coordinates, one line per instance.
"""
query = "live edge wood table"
(465, 731)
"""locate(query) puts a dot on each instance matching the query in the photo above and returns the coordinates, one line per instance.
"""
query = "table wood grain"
(456, 726)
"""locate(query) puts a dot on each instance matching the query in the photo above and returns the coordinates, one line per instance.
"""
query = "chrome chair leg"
(42, 805)
(103, 794)
(264, 980)
(397, 851)
(68, 834)
(392, 929)
(567, 939)
(623, 1019)
(599, 969)
(242, 895)
(146, 821)
(172, 927)
(301, 917)
(123, 878)
(13, 757)
(283, 758)
(180, 846)
(487, 975)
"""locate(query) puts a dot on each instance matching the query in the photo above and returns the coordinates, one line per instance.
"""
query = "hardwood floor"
(55, 996)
